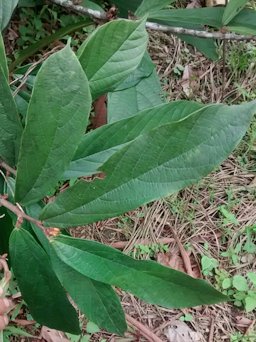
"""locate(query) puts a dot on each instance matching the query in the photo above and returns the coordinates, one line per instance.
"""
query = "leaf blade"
(96, 300)
(108, 57)
(96, 147)
(10, 128)
(148, 280)
(232, 9)
(3, 60)
(156, 164)
(56, 312)
(54, 127)
(6, 9)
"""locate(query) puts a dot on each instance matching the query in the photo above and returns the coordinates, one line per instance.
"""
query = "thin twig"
(154, 26)
(148, 334)
(8, 168)
(94, 14)
(211, 332)
(20, 214)
(184, 254)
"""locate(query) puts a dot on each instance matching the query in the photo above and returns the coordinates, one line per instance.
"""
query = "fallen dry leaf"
(180, 332)
(243, 322)
(51, 335)
(172, 260)
(190, 81)
(194, 4)
(210, 3)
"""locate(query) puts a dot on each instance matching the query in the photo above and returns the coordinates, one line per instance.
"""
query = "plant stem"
(8, 168)
(20, 214)
(154, 26)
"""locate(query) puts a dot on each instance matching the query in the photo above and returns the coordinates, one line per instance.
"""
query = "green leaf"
(206, 46)
(40, 288)
(144, 70)
(208, 264)
(3, 61)
(252, 277)
(232, 9)
(17, 331)
(226, 283)
(211, 16)
(96, 147)
(148, 280)
(156, 164)
(240, 283)
(46, 41)
(112, 52)
(244, 22)
(128, 102)
(193, 21)
(148, 6)
(96, 300)
(250, 303)
(92, 5)
(6, 9)
(230, 217)
(10, 128)
(92, 328)
(55, 124)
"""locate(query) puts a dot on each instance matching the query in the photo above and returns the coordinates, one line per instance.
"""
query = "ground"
(208, 229)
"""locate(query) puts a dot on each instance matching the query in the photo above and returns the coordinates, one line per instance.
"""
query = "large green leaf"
(232, 9)
(126, 103)
(96, 147)
(148, 6)
(96, 300)
(207, 47)
(6, 9)
(211, 16)
(244, 22)
(112, 52)
(10, 127)
(156, 164)
(56, 119)
(148, 280)
(144, 70)
(40, 288)
(3, 61)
